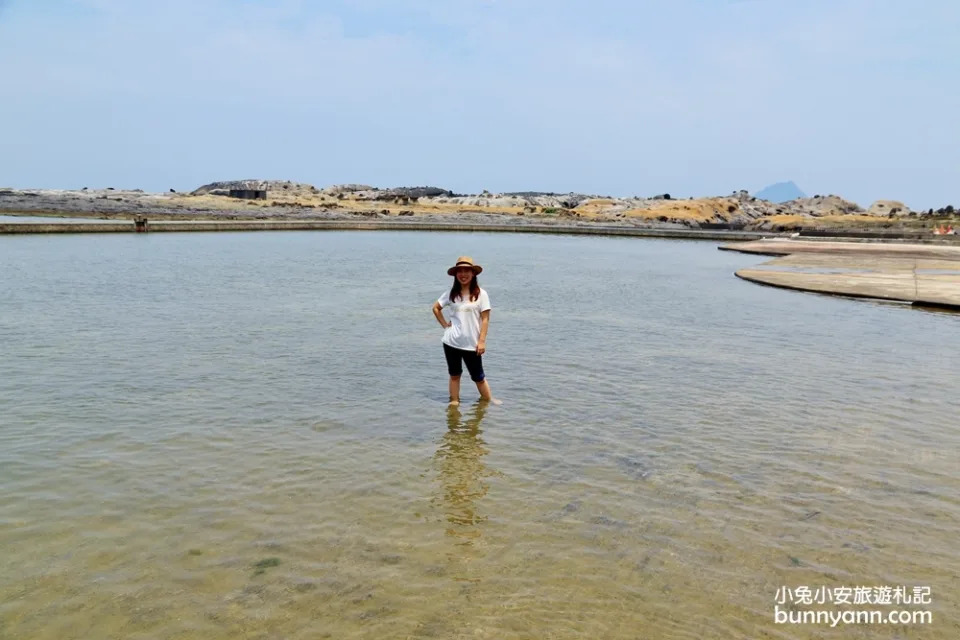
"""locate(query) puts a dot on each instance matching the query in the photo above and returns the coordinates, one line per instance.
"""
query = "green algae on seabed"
(265, 564)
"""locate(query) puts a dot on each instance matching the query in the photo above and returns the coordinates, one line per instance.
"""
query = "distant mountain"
(780, 192)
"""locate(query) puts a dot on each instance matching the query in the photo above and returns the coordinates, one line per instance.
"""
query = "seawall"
(370, 225)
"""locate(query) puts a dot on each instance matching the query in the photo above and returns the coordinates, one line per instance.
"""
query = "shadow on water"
(462, 472)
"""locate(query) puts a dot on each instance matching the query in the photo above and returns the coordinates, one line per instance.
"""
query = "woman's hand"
(438, 314)
(481, 347)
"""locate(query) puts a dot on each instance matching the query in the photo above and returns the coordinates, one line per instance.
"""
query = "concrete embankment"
(921, 274)
(947, 247)
(367, 225)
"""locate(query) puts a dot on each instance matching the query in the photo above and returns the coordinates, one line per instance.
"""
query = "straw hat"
(465, 261)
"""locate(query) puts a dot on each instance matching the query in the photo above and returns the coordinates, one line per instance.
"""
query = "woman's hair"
(474, 289)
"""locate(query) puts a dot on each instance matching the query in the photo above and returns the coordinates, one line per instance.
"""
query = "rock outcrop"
(888, 208)
(271, 186)
(293, 200)
(821, 206)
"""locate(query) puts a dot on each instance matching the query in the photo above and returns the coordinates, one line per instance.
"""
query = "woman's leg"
(485, 394)
(484, 388)
(454, 389)
(474, 363)
(455, 369)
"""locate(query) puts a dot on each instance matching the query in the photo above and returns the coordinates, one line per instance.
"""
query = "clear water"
(246, 435)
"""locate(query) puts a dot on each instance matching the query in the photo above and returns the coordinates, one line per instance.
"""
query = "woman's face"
(464, 275)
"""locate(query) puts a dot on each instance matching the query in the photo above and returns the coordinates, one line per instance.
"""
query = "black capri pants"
(456, 358)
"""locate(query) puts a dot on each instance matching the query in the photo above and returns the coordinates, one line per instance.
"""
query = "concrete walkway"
(943, 249)
(922, 274)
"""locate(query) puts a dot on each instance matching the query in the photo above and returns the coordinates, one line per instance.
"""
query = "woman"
(465, 336)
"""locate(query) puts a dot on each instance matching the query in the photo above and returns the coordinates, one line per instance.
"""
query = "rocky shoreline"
(283, 200)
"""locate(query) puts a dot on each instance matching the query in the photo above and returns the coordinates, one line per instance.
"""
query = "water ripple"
(246, 435)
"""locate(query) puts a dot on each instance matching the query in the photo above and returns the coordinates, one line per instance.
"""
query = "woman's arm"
(484, 324)
(438, 313)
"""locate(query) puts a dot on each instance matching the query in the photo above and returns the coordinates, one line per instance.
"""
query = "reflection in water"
(462, 471)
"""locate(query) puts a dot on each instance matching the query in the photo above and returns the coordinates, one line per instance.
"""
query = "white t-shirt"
(464, 332)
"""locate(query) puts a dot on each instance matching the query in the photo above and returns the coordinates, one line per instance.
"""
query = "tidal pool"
(245, 435)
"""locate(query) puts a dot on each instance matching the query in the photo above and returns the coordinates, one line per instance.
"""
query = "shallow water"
(245, 435)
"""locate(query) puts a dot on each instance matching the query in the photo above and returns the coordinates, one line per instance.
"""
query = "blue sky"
(614, 97)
